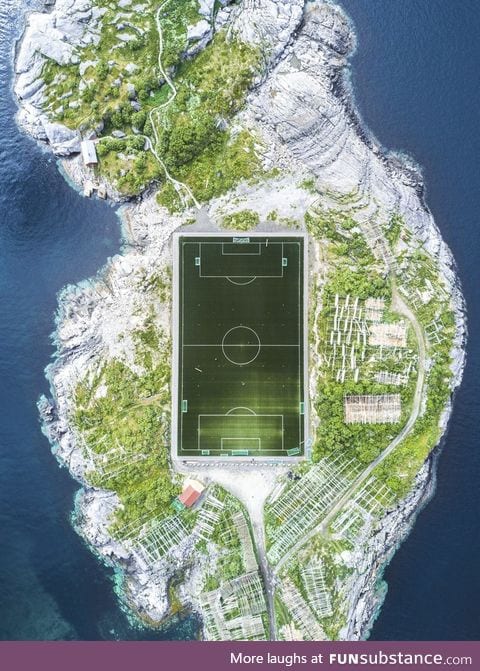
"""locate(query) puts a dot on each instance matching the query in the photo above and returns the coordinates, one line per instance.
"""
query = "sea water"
(417, 86)
(51, 585)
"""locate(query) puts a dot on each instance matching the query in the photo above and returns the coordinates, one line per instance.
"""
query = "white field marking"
(241, 277)
(258, 345)
(243, 440)
(258, 244)
(248, 277)
(219, 235)
(242, 284)
(199, 421)
(240, 407)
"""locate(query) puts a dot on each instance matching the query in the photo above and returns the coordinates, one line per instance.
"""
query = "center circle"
(241, 345)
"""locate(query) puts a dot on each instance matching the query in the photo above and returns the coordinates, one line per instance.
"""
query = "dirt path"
(180, 187)
(401, 307)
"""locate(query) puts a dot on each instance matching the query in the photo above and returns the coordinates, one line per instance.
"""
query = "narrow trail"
(155, 111)
(401, 307)
(180, 187)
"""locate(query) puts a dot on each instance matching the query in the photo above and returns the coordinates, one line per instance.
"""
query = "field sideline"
(239, 347)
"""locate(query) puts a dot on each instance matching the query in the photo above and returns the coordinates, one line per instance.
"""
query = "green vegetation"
(117, 84)
(175, 19)
(210, 89)
(282, 614)
(194, 140)
(309, 185)
(336, 574)
(124, 57)
(126, 164)
(419, 277)
(393, 230)
(123, 418)
(244, 220)
(216, 170)
(354, 271)
(227, 541)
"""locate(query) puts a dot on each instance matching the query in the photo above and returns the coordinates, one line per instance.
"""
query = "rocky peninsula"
(217, 116)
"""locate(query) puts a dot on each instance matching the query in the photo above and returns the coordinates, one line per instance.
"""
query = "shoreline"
(426, 489)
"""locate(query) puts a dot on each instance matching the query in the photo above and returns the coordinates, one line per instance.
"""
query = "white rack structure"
(302, 507)
(301, 613)
(395, 379)
(368, 504)
(134, 529)
(347, 338)
(234, 610)
(159, 537)
(289, 632)
(318, 596)
(209, 516)
(113, 462)
(434, 332)
(375, 237)
(354, 327)
(372, 409)
(248, 551)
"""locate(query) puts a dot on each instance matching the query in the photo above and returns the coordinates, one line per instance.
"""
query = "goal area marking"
(219, 427)
(237, 260)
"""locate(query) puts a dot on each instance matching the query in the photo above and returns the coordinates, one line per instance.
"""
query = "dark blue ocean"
(417, 85)
(51, 586)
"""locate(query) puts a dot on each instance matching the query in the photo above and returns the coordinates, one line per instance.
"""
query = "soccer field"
(239, 336)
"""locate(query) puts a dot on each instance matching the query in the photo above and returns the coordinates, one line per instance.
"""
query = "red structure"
(189, 496)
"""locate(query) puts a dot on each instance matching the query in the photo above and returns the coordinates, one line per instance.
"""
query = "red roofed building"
(191, 493)
(189, 496)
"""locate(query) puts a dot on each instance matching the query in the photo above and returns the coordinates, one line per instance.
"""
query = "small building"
(189, 496)
(89, 153)
(192, 490)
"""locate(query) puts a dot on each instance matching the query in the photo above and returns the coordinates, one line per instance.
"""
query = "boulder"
(62, 140)
(131, 68)
(198, 31)
(206, 7)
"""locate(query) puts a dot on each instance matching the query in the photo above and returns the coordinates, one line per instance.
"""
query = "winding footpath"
(266, 571)
(402, 308)
(177, 185)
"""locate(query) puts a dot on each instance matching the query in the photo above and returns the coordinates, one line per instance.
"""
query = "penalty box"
(239, 335)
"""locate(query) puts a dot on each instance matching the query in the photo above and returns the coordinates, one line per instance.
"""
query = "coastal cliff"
(313, 155)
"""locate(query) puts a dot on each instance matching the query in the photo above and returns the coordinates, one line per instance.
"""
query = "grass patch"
(122, 85)
(244, 220)
(123, 417)
(354, 271)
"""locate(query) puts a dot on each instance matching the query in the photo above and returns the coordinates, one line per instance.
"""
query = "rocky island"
(237, 118)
